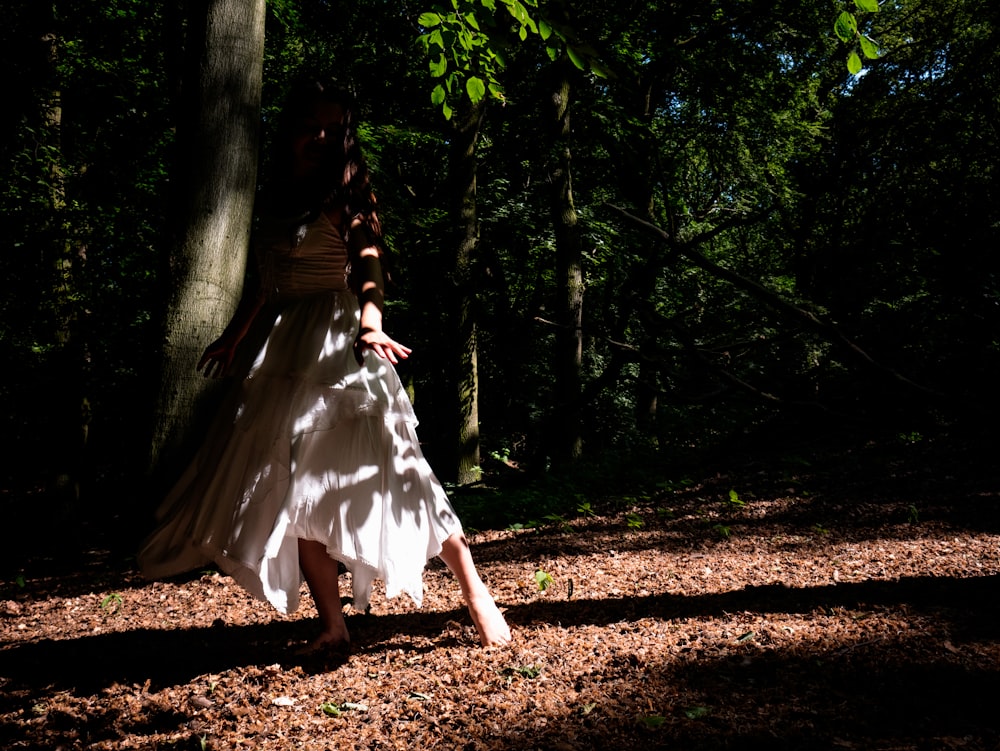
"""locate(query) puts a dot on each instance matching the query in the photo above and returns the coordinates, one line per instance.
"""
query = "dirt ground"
(796, 607)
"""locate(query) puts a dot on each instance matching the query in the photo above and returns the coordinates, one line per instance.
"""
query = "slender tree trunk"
(462, 177)
(566, 429)
(70, 422)
(219, 154)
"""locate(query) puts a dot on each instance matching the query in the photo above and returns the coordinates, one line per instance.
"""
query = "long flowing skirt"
(310, 446)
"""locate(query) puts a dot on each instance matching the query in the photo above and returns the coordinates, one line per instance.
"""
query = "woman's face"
(319, 136)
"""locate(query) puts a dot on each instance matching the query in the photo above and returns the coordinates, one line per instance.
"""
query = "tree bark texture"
(567, 440)
(219, 172)
(462, 178)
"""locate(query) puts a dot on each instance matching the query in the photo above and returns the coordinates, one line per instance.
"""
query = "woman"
(315, 460)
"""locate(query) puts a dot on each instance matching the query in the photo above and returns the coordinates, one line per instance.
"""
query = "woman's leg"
(323, 577)
(489, 621)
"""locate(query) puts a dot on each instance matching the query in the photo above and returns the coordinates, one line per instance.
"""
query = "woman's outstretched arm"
(371, 299)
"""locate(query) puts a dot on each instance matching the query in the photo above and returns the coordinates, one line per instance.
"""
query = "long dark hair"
(343, 185)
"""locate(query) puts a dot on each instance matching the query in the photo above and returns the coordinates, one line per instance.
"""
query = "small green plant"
(330, 709)
(559, 521)
(203, 742)
(112, 603)
(723, 531)
(912, 514)
(665, 513)
(652, 721)
(696, 713)
(820, 529)
(735, 500)
(20, 581)
(634, 521)
(525, 671)
(584, 509)
(501, 455)
(543, 580)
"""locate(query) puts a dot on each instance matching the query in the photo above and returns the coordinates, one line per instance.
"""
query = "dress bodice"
(317, 264)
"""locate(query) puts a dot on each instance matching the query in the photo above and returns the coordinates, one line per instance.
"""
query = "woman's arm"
(218, 356)
(371, 299)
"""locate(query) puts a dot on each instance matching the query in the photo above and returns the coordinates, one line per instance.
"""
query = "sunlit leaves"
(467, 38)
(854, 65)
(438, 67)
(870, 48)
(459, 40)
(576, 58)
(846, 28)
(475, 88)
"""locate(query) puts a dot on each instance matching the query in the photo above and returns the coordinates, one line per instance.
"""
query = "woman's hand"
(218, 357)
(380, 344)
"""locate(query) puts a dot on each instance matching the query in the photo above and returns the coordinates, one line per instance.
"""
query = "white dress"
(310, 446)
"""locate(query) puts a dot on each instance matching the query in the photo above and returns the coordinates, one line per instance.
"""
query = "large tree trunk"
(462, 178)
(219, 158)
(566, 436)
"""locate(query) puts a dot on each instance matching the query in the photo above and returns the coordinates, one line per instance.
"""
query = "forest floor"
(845, 602)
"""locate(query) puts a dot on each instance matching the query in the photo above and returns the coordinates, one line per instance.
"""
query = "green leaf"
(599, 70)
(846, 27)
(544, 30)
(331, 709)
(429, 20)
(553, 53)
(867, 5)
(694, 713)
(446, 111)
(475, 89)
(870, 48)
(470, 18)
(543, 580)
(854, 65)
(439, 66)
(438, 95)
(653, 721)
(518, 11)
(490, 5)
(435, 38)
(575, 57)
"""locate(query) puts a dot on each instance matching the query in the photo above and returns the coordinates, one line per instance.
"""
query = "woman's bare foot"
(493, 629)
(323, 576)
(328, 642)
(489, 621)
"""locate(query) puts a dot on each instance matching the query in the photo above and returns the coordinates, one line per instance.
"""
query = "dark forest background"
(727, 244)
